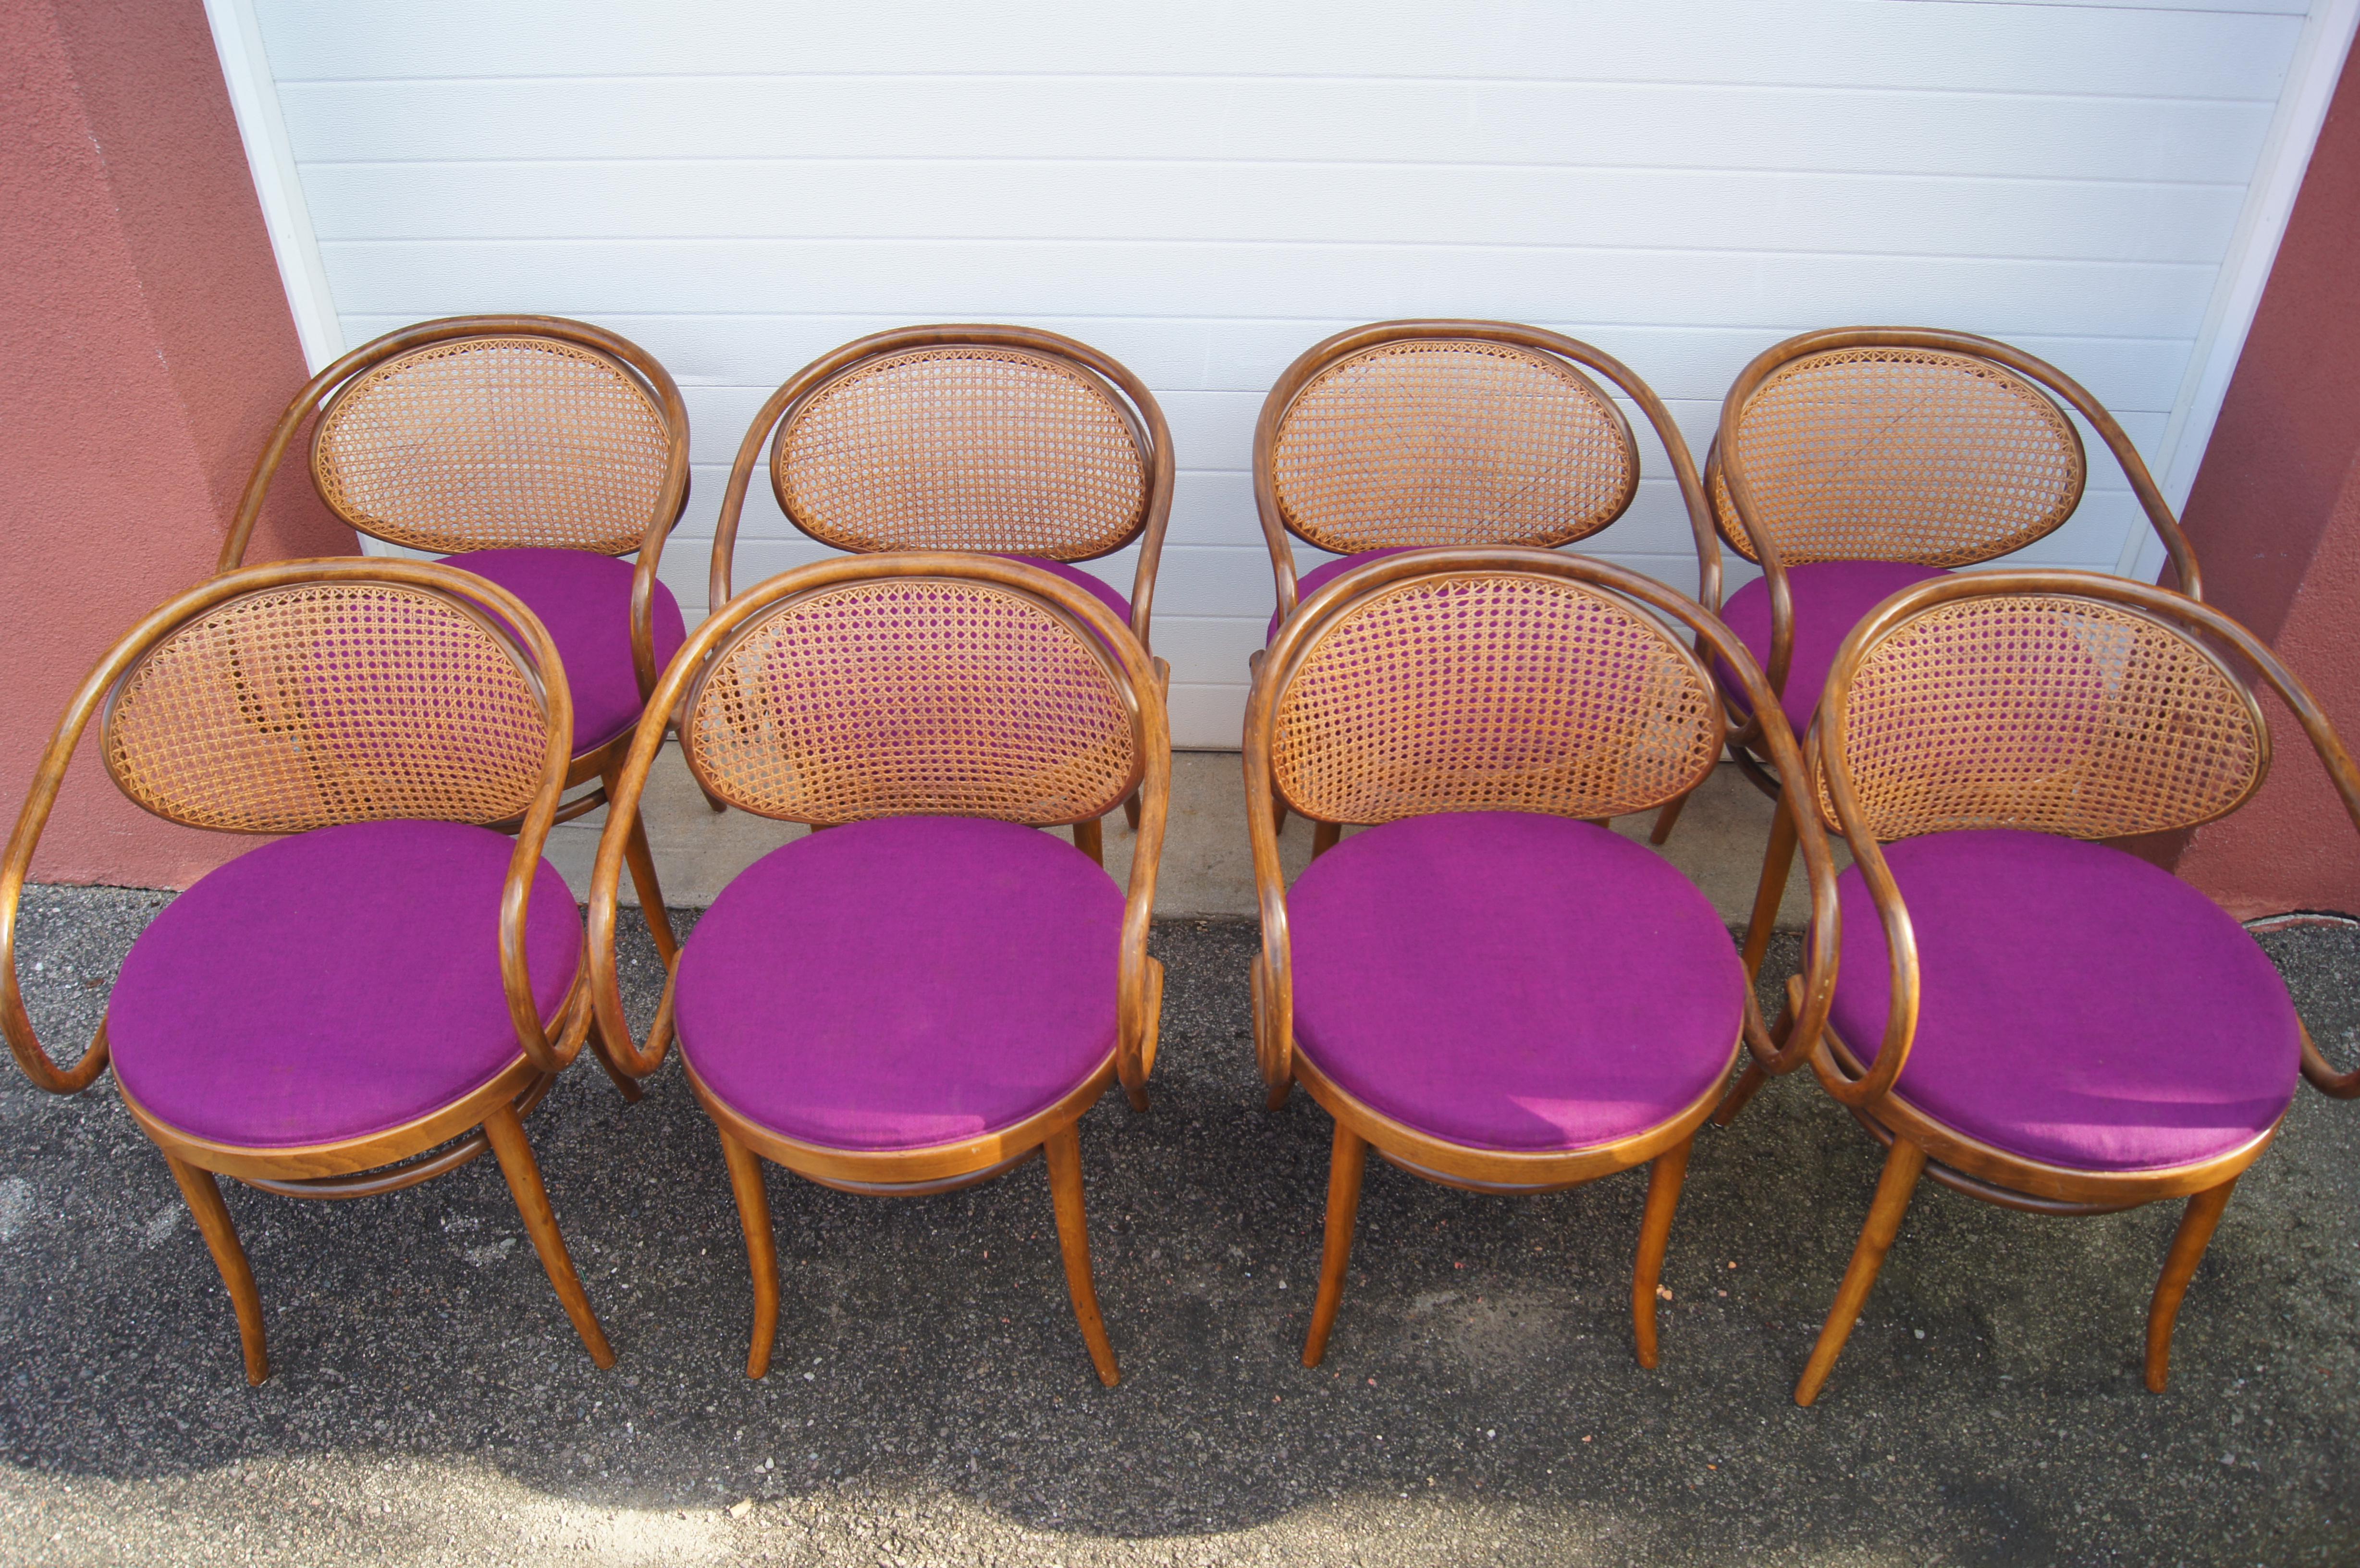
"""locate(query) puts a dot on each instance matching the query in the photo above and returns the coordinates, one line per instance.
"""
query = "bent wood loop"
(867, 638)
(2153, 681)
(1317, 706)
(968, 436)
(1455, 432)
(2012, 468)
(481, 432)
(194, 734)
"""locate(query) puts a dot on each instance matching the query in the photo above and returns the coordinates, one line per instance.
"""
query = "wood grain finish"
(480, 632)
(1493, 590)
(2225, 748)
(924, 760)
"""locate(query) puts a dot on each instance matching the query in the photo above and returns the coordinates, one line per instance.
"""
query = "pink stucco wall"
(145, 349)
(2274, 518)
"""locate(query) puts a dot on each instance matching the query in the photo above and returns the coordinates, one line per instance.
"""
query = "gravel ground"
(931, 1402)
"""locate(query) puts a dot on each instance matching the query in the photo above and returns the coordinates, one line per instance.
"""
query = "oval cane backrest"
(908, 696)
(1887, 452)
(493, 443)
(303, 706)
(2043, 711)
(1485, 692)
(1424, 441)
(965, 446)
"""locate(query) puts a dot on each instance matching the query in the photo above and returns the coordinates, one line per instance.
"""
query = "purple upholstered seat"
(1318, 577)
(2076, 1005)
(1512, 981)
(1073, 574)
(585, 600)
(334, 985)
(1830, 598)
(904, 982)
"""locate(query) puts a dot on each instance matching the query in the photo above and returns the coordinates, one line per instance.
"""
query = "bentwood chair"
(1488, 986)
(1854, 461)
(930, 992)
(1401, 435)
(2027, 1015)
(531, 451)
(376, 998)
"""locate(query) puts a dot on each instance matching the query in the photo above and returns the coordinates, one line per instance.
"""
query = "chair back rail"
(2068, 702)
(280, 698)
(1422, 433)
(489, 432)
(1492, 677)
(994, 439)
(910, 683)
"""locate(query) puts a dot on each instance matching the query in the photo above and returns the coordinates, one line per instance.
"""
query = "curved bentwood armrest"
(1156, 516)
(670, 502)
(498, 614)
(1140, 681)
(1765, 547)
(1273, 984)
(1328, 351)
(1863, 1091)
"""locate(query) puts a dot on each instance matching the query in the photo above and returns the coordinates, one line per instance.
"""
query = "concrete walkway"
(931, 1402)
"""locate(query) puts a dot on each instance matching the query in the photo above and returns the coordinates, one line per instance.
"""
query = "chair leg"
(1130, 810)
(523, 1172)
(1090, 839)
(1324, 837)
(1064, 1149)
(642, 863)
(1345, 1166)
(1775, 864)
(1902, 1168)
(1665, 1174)
(761, 1248)
(715, 802)
(2197, 1222)
(205, 1200)
(1667, 819)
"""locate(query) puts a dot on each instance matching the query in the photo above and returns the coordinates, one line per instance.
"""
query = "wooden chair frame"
(1918, 1143)
(1140, 682)
(1724, 473)
(1359, 1127)
(487, 1117)
(600, 763)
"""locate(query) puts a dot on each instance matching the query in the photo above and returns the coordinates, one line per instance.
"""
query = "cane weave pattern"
(964, 448)
(301, 707)
(489, 443)
(2043, 712)
(1443, 442)
(1901, 454)
(912, 697)
(1492, 692)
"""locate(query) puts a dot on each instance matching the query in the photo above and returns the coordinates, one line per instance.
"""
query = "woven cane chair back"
(965, 446)
(1483, 692)
(494, 442)
(1440, 441)
(910, 696)
(2044, 711)
(303, 706)
(1884, 452)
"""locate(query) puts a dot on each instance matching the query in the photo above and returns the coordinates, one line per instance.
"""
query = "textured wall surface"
(1204, 191)
(145, 349)
(2275, 517)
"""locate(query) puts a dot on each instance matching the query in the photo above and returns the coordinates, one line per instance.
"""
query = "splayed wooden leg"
(2197, 1222)
(523, 1172)
(1665, 1174)
(761, 1248)
(1064, 1149)
(211, 1214)
(1775, 864)
(1902, 1167)
(1345, 1166)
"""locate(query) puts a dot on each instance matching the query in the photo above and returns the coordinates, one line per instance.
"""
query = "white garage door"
(1204, 189)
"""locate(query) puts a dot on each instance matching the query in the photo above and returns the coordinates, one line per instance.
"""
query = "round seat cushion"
(1319, 576)
(904, 982)
(334, 985)
(2077, 1005)
(1831, 597)
(1505, 980)
(584, 601)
